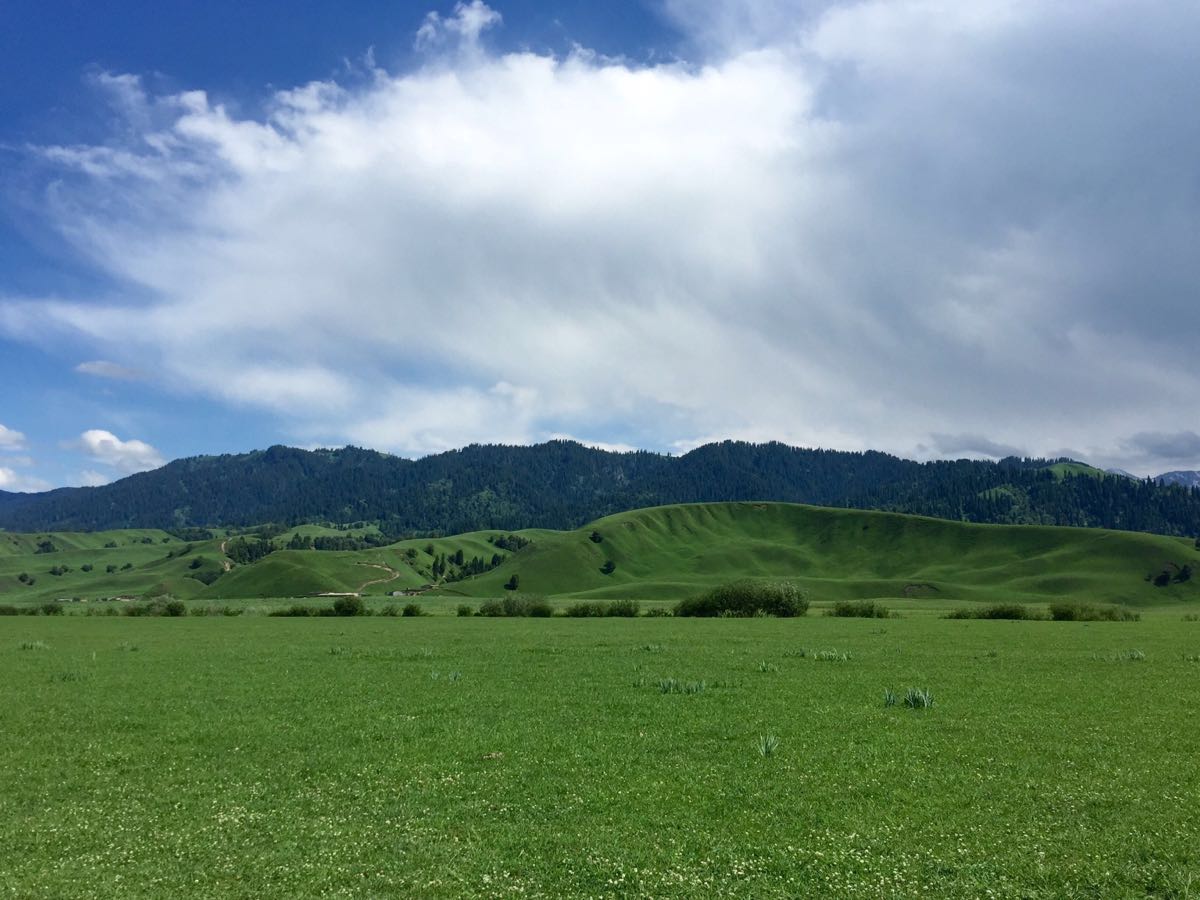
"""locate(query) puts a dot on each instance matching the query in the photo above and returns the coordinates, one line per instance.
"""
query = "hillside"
(661, 553)
(562, 484)
(843, 554)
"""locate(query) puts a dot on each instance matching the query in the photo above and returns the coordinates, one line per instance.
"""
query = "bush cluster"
(860, 609)
(598, 608)
(517, 605)
(747, 598)
(157, 608)
(994, 611)
(1088, 612)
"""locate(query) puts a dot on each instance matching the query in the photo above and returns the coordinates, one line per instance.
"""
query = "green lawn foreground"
(472, 757)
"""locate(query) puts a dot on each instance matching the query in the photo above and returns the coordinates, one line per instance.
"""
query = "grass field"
(470, 757)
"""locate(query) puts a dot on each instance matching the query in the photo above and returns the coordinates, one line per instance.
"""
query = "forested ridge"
(562, 484)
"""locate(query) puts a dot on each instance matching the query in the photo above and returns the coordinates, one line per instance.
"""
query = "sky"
(967, 228)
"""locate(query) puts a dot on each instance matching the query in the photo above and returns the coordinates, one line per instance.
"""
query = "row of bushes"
(1058, 612)
(594, 609)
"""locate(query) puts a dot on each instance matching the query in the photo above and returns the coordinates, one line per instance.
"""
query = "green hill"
(662, 553)
(667, 552)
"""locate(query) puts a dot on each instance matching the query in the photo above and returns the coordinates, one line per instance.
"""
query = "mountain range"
(562, 484)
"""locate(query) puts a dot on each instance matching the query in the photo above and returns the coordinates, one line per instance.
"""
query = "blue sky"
(933, 228)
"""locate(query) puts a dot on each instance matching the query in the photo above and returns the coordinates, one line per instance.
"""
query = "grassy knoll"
(446, 757)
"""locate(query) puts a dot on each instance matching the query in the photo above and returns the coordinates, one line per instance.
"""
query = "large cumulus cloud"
(869, 224)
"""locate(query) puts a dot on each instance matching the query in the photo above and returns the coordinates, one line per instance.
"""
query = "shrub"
(465, 610)
(513, 583)
(1087, 612)
(608, 568)
(596, 537)
(994, 611)
(860, 609)
(585, 609)
(50, 609)
(160, 607)
(86, 567)
(349, 606)
(517, 605)
(413, 609)
(746, 598)
(625, 609)
(658, 612)
(9, 610)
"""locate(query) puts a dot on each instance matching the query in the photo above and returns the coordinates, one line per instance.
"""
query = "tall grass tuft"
(34, 645)
(767, 743)
(746, 599)
(917, 698)
(674, 686)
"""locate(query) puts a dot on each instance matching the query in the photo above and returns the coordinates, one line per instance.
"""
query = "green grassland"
(441, 757)
(658, 556)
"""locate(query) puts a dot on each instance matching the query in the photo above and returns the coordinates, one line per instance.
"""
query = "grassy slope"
(661, 554)
(669, 551)
(1062, 470)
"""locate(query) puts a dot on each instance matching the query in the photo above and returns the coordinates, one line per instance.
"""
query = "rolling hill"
(657, 554)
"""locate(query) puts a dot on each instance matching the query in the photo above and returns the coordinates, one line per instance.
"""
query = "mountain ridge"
(562, 484)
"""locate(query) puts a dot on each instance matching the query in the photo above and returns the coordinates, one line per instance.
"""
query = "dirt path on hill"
(225, 564)
(392, 575)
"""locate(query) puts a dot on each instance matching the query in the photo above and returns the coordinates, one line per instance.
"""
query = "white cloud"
(15, 482)
(469, 21)
(815, 234)
(102, 368)
(126, 457)
(92, 478)
(10, 439)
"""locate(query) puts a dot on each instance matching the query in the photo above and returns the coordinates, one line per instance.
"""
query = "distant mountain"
(1183, 479)
(1122, 473)
(562, 484)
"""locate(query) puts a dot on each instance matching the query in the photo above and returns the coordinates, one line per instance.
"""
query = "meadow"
(444, 756)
